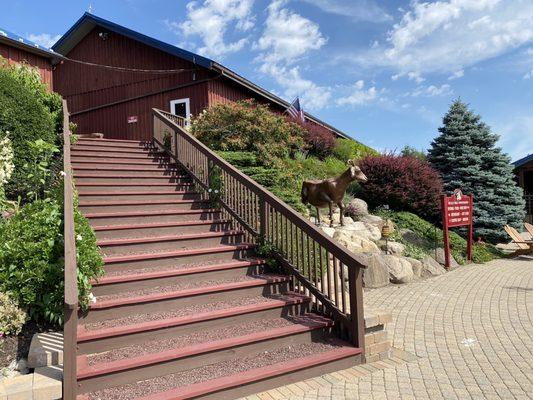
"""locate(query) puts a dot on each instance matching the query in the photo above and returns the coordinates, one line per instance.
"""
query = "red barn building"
(16, 49)
(112, 77)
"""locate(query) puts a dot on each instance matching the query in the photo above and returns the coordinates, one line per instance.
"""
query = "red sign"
(457, 210)
(132, 119)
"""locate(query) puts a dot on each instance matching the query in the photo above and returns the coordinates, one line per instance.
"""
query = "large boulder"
(400, 269)
(328, 231)
(355, 243)
(394, 248)
(362, 229)
(376, 274)
(373, 220)
(416, 265)
(430, 267)
(359, 207)
(439, 257)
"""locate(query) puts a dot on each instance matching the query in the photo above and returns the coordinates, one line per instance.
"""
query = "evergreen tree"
(466, 156)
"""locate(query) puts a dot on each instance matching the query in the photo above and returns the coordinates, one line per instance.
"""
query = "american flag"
(295, 111)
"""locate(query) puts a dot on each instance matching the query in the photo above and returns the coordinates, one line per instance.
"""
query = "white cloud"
(447, 36)
(358, 95)
(288, 38)
(44, 39)
(456, 75)
(211, 20)
(528, 75)
(313, 96)
(431, 91)
(361, 10)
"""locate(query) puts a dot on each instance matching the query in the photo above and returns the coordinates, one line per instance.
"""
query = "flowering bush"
(403, 183)
(31, 259)
(348, 149)
(6, 167)
(28, 112)
(248, 126)
(12, 318)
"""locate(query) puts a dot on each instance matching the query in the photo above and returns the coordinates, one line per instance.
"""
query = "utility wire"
(125, 69)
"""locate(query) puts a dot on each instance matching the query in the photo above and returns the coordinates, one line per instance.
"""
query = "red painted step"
(313, 322)
(179, 253)
(119, 175)
(136, 202)
(157, 225)
(143, 156)
(119, 168)
(129, 184)
(170, 238)
(104, 140)
(138, 192)
(148, 212)
(196, 291)
(107, 280)
(85, 335)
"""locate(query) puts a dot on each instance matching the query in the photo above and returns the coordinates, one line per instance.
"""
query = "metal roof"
(88, 21)
(22, 43)
(523, 161)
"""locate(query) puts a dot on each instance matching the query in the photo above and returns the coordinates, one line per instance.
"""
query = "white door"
(181, 108)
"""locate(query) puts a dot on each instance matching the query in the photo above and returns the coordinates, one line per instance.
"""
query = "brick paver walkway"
(471, 331)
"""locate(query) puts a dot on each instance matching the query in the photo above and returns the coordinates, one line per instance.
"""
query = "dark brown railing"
(71, 280)
(321, 268)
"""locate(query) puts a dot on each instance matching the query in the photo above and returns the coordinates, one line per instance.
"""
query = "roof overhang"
(88, 21)
(523, 161)
(19, 42)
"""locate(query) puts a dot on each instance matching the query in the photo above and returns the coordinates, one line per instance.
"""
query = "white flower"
(63, 173)
(216, 191)
(210, 190)
(92, 298)
(79, 237)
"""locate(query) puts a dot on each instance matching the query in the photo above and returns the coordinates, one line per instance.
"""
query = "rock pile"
(385, 259)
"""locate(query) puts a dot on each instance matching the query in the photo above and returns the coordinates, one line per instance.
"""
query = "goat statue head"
(355, 172)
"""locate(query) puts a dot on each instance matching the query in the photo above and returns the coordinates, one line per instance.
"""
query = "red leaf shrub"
(320, 141)
(404, 183)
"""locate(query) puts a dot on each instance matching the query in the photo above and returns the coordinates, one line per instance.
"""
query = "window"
(181, 108)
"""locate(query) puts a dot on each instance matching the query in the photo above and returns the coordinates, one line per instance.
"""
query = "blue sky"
(383, 71)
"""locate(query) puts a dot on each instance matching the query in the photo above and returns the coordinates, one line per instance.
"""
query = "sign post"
(457, 210)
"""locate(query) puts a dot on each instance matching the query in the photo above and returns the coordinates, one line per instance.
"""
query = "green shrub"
(28, 114)
(347, 149)
(31, 259)
(430, 235)
(12, 318)
(251, 127)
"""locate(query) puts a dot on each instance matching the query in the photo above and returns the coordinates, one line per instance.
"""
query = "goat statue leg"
(331, 214)
(318, 216)
(341, 207)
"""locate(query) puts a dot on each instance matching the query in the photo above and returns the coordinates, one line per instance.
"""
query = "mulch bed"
(16, 347)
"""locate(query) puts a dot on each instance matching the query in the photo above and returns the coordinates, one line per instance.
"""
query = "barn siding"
(88, 87)
(16, 55)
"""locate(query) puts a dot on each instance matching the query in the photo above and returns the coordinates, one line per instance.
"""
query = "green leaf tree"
(466, 156)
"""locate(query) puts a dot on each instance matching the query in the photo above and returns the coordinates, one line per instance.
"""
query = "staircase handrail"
(71, 273)
(266, 222)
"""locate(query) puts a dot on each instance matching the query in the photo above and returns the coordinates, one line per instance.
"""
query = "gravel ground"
(196, 309)
(177, 287)
(209, 372)
(170, 268)
(156, 346)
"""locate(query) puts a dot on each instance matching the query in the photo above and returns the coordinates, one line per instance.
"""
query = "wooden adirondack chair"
(524, 246)
(529, 228)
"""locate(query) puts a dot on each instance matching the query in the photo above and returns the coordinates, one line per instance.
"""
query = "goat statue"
(331, 191)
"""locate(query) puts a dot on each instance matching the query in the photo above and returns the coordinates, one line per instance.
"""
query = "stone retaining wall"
(378, 345)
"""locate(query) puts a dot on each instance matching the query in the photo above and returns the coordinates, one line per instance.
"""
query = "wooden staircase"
(185, 309)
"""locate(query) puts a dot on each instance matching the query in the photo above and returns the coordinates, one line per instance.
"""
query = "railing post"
(263, 218)
(71, 280)
(355, 282)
